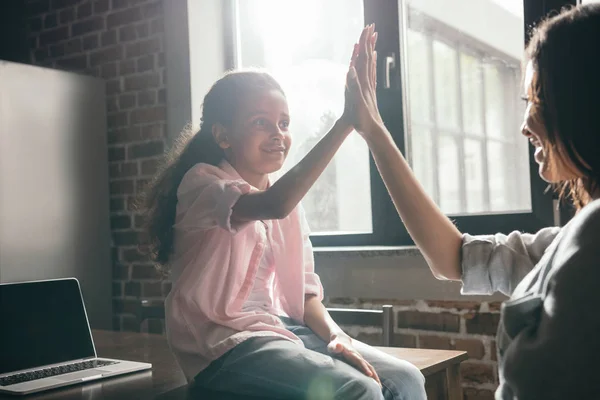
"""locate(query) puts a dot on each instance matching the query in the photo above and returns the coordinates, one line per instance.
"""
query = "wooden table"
(166, 381)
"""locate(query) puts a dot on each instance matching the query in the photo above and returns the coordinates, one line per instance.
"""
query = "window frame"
(388, 229)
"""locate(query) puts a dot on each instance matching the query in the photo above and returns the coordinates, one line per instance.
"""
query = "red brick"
(143, 271)
(120, 222)
(473, 347)
(127, 67)
(140, 185)
(405, 340)
(117, 4)
(127, 33)
(148, 115)
(50, 21)
(141, 82)
(150, 167)
(93, 24)
(445, 322)
(101, 6)
(126, 238)
(73, 46)
(139, 221)
(125, 306)
(152, 289)
(126, 101)
(152, 10)
(111, 104)
(142, 30)
(132, 255)
(113, 87)
(116, 153)
(123, 17)
(34, 24)
(157, 26)
(125, 135)
(373, 339)
(143, 47)
(133, 288)
(478, 394)
(144, 150)
(120, 272)
(66, 16)
(109, 38)
(451, 305)
(122, 186)
(57, 50)
(75, 63)
(116, 120)
(54, 36)
(482, 323)
(41, 55)
(162, 96)
(128, 169)
(434, 342)
(90, 42)
(166, 288)
(84, 10)
(117, 204)
(153, 131)
(477, 373)
(108, 71)
(146, 98)
(110, 54)
(145, 63)
(117, 289)
(493, 351)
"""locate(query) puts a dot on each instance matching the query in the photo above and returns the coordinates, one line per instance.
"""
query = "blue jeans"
(278, 368)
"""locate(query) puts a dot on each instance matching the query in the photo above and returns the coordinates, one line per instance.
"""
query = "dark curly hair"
(158, 202)
(566, 94)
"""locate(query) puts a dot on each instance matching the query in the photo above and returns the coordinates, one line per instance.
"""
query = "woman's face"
(552, 168)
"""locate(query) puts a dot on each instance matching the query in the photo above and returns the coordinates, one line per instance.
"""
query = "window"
(451, 102)
(307, 45)
(462, 89)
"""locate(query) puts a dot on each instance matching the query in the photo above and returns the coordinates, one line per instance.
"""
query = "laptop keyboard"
(47, 372)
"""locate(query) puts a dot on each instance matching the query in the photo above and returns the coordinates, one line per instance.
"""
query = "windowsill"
(367, 251)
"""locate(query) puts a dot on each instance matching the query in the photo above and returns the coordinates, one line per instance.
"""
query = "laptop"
(46, 341)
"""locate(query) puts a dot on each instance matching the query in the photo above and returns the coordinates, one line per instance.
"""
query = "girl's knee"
(406, 382)
(361, 388)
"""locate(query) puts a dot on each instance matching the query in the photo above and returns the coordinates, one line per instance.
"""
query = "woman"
(549, 334)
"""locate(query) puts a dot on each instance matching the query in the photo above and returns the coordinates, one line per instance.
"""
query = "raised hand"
(361, 83)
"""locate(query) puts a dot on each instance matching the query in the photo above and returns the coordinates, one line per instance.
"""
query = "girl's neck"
(259, 181)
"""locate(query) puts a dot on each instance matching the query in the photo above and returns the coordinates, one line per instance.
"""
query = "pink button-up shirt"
(214, 265)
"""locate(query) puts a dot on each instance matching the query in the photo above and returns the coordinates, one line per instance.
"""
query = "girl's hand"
(342, 344)
(361, 83)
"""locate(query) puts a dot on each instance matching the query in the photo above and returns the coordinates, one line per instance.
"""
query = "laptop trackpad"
(74, 376)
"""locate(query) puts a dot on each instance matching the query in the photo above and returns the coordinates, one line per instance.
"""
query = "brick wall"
(450, 325)
(122, 42)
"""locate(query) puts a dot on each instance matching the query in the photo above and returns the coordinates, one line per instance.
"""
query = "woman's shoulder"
(585, 226)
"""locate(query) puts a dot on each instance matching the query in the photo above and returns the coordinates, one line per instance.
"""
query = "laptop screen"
(43, 323)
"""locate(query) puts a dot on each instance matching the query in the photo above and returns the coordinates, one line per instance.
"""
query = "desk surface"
(166, 381)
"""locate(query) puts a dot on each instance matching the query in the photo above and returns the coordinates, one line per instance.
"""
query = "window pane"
(449, 168)
(470, 76)
(475, 185)
(307, 46)
(446, 85)
(423, 153)
(469, 58)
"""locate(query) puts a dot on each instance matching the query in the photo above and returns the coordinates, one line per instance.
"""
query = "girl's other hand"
(342, 345)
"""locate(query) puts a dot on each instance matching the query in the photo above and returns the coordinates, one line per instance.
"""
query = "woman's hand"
(341, 344)
(361, 83)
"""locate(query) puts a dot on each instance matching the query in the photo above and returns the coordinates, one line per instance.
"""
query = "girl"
(548, 343)
(245, 313)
